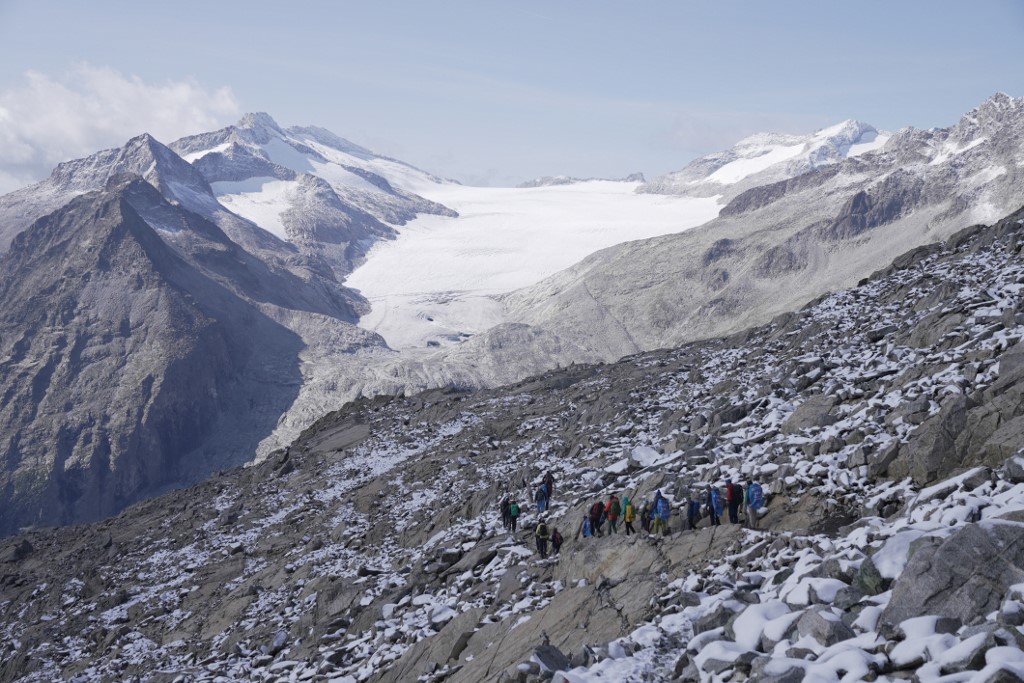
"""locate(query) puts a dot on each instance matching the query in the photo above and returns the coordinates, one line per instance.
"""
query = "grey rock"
(812, 413)
(963, 577)
(824, 626)
(551, 659)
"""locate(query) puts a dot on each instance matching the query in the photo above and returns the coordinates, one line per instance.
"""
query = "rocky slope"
(884, 420)
(776, 246)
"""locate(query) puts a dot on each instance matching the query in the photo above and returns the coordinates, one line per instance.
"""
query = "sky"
(493, 93)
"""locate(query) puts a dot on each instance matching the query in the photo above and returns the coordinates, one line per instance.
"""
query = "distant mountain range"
(169, 310)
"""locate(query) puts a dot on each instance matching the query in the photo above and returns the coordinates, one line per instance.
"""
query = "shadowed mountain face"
(123, 359)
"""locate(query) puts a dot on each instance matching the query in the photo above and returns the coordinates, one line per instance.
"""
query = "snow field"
(438, 278)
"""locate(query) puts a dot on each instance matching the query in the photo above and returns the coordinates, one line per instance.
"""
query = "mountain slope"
(884, 422)
(308, 186)
(777, 246)
(121, 360)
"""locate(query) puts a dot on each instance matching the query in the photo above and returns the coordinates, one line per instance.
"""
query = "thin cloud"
(52, 119)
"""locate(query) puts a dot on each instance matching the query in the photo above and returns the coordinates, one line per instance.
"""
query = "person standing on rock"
(556, 541)
(692, 511)
(628, 515)
(755, 501)
(513, 514)
(596, 518)
(645, 516)
(541, 498)
(549, 482)
(506, 517)
(586, 531)
(612, 511)
(733, 498)
(662, 514)
(715, 507)
(543, 534)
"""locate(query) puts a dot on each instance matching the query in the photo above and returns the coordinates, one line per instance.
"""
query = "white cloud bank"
(48, 120)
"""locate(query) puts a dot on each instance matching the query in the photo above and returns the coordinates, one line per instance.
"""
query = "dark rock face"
(963, 577)
(119, 360)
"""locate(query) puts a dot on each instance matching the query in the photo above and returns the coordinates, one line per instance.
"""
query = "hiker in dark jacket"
(645, 517)
(556, 541)
(692, 511)
(543, 534)
(549, 482)
(506, 517)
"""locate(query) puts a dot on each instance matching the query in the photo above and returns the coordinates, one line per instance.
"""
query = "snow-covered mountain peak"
(765, 158)
(261, 126)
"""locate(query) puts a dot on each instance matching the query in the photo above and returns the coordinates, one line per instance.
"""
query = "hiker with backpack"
(628, 515)
(585, 530)
(556, 541)
(513, 514)
(645, 516)
(755, 501)
(662, 513)
(542, 534)
(506, 517)
(597, 518)
(541, 498)
(549, 482)
(692, 511)
(612, 511)
(734, 498)
(715, 506)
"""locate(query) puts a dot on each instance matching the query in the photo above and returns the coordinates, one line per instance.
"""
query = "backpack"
(586, 527)
(716, 501)
(542, 494)
(616, 508)
(513, 510)
(664, 510)
(556, 538)
(596, 510)
(542, 530)
(756, 495)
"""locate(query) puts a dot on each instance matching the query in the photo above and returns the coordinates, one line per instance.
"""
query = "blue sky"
(494, 93)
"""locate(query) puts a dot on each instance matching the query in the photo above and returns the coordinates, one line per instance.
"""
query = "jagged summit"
(764, 158)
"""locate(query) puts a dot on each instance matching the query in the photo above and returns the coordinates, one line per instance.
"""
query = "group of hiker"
(510, 512)
(654, 515)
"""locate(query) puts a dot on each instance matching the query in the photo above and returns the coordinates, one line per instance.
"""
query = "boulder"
(1013, 470)
(812, 413)
(964, 577)
(824, 626)
(931, 453)
(550, 659)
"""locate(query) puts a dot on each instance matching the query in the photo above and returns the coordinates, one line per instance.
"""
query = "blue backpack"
(716, 501)
(755, 496)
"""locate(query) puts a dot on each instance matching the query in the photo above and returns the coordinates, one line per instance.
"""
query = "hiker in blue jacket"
(715, 506)
(755, 501)
(662, 513)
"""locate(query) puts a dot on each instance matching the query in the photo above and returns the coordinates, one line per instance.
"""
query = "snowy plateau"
(837, 315)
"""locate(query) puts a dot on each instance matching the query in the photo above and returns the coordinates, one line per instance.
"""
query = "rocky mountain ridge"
(776, 246)
(884, 421)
